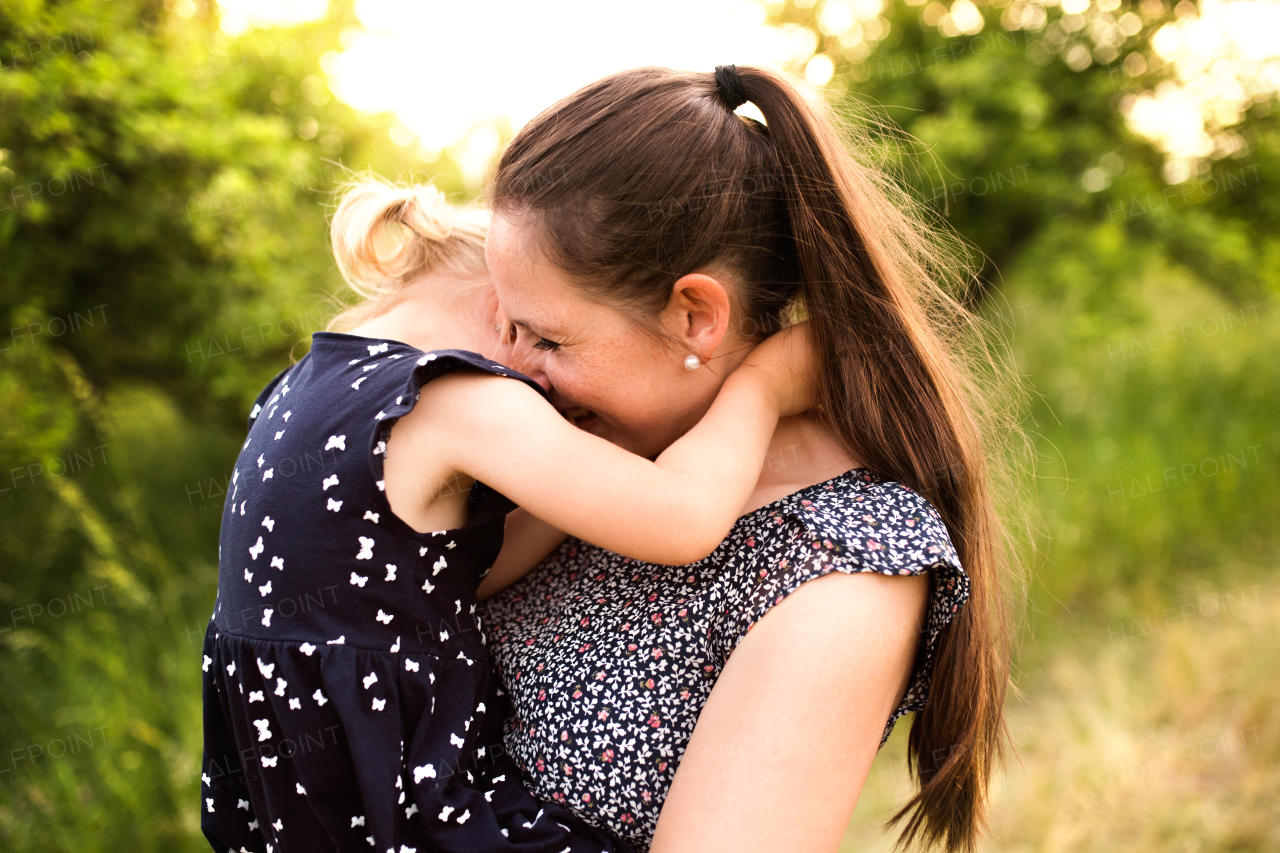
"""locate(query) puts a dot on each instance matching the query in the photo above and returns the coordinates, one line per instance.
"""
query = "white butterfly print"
(380, 448)
(368, 367)
(295, 704)
(256, 548)
(207, 660)
(268, 523)
(264, 729)
(334, 505)
(444, 636)
(356, 580)
(357, 821)
(286, 414)
(278, 825)
(338, 642)
(277, 563)
(248, 576)
(379, 416)
(265, 589)
(395, 647)
(408, 813)
(331, 480)
(377, 348)
(307, 649)
(262, 458)
(242, 804)
(370, 515)
(370, 680)
(384, 618)
(204, 779)
(208, 802)
(253, 824)
(457, 606)
(235, 475)
(319, 697)
(382, 485)
(300, 789)
(281, 684)
(266, 617)
(253, 416)
(268, 474)
(366, 549)
(391, 572)
(231, 668)
(338, 441)
(426, 358)
(269, 762)
(355, 386)
(444, 812)
(422, 552)
(278, 435)
(379, 704)
(256, 696)
(242, 504)
(439, 565)
(462, 818)
(411, 666)
(266, 668)
(427, 586)
(451, 545)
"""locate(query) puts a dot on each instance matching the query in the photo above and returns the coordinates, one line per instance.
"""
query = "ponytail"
(901, 399)
(648, 175)
(386, 236)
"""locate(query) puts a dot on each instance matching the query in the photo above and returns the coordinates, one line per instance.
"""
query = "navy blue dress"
(349, 700)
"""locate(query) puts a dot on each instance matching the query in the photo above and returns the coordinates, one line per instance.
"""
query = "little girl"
(346, 683)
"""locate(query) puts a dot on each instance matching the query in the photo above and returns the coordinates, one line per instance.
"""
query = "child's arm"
(673, 511)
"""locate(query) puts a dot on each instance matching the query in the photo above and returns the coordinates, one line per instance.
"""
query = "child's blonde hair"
(385, 236)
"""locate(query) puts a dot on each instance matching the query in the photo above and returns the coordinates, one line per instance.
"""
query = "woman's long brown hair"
(646, 176)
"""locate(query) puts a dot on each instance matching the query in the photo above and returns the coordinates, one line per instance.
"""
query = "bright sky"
(453, 70)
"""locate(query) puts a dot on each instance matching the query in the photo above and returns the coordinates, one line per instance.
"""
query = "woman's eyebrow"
(530, 327)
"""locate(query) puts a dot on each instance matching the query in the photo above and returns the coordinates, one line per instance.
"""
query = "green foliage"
(163, 200)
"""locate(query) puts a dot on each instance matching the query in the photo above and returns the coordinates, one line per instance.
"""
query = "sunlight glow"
(452, 72)
(1225, 59)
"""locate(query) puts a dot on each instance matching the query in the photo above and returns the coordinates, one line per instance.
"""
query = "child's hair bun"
(386, 235)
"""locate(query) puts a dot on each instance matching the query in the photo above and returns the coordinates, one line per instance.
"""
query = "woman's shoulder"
(883, 525)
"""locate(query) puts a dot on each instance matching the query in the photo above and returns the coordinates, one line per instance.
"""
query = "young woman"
(640, 219)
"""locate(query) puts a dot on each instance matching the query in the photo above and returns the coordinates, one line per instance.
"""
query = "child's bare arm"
(674, 510)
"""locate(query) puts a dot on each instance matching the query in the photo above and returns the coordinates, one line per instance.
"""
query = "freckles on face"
(602, 372)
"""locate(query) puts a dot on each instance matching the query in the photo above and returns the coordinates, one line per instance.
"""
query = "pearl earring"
(692, 362)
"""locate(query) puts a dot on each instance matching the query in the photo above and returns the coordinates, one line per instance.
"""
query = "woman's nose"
(529, 362)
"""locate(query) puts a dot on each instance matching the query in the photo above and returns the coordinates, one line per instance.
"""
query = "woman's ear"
(699, 309)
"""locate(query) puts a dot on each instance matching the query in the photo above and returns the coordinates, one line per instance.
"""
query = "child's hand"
(786, 359)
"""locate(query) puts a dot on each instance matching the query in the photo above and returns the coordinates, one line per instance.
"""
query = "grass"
(1134, 741)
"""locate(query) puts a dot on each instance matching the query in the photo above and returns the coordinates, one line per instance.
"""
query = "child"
(347, 681)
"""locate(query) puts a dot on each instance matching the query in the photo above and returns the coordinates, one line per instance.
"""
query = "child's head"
(388, 237)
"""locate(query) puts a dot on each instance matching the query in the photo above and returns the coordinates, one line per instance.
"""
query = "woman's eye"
(546, 345)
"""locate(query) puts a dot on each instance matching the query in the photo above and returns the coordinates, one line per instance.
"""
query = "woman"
(644, 237)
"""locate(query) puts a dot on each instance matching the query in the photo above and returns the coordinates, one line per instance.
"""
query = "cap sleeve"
(885, 528)
(398, 398)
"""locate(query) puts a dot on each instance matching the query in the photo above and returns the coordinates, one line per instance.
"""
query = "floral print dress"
(609, 660)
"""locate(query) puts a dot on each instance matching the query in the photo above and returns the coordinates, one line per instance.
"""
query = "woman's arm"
(787, 737)
(674, 510)
(527, 541)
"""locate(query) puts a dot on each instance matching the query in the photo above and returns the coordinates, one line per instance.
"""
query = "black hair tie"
(730, 86)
